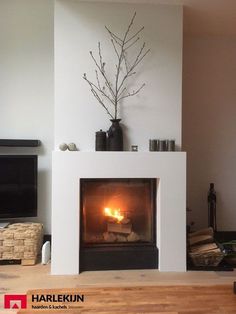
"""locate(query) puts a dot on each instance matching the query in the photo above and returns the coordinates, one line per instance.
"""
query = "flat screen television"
(18, 186)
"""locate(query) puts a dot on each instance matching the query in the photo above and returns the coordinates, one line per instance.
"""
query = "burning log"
(113, 213)
(125, 221)
(119, 228)
(116, 222)
(111, 220)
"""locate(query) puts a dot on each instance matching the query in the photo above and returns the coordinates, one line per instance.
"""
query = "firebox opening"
(118, 211)
(118, 224)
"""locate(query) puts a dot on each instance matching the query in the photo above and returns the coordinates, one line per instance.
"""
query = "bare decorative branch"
(136, 34)
(97, 79)
(98, 88)
(113, 36)
(101, 102)
(101, 70)
(108, 93)
(133, 93)
(114, 46)
(133, 43)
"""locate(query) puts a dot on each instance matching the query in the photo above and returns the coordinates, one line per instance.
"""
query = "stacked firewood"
(202, 241)
(202, 248)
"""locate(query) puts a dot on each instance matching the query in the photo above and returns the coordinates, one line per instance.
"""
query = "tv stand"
(4, 224)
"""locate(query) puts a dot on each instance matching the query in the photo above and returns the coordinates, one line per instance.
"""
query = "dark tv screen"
(18, 186)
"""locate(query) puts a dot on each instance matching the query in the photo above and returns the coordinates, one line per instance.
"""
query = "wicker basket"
(21, 241)
(206, 259)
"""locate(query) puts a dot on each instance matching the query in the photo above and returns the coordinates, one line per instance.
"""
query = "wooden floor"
(19, 279)
(154, 299)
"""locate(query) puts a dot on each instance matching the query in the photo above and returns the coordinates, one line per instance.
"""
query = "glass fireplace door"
(118, 211)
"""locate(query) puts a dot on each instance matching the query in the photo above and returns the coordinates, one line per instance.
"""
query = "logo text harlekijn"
(58, 298)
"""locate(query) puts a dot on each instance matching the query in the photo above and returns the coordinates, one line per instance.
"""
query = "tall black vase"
(115, 136)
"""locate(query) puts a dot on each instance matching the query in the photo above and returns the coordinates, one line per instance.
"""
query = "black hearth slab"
(223, 266)
(211, 268)
(118, 258)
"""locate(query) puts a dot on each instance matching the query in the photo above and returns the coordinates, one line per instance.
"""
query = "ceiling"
(206, 17)
(209, 17)
(201, 17)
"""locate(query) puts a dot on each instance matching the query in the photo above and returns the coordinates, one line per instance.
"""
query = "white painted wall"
(209, 128)
(26, 77)
(26, 85)
(156, 111)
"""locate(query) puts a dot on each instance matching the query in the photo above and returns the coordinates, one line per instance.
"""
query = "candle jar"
(152, 145)
(101, 138)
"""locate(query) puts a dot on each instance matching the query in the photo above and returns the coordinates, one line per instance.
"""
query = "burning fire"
(114, 213)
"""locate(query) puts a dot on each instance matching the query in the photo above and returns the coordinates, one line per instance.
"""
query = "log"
(201, 239)
(204, 248)
(206, 231)
(111, 220)
(125, 221)
(119, 228)
(217, 250)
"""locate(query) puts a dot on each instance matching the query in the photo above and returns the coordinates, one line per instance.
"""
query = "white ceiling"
(206, 17)
(201, 17)
(210, 17)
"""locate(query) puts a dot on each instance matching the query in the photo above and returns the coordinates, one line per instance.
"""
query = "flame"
(114, 213)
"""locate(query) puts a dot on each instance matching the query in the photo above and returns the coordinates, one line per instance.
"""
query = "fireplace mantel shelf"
(119, 152)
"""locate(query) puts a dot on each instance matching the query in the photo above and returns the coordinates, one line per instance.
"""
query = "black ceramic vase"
(115, 136)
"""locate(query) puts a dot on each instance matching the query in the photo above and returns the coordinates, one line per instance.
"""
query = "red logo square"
(15, 301)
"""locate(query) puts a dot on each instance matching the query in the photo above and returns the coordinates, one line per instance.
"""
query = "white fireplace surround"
(168, 167)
